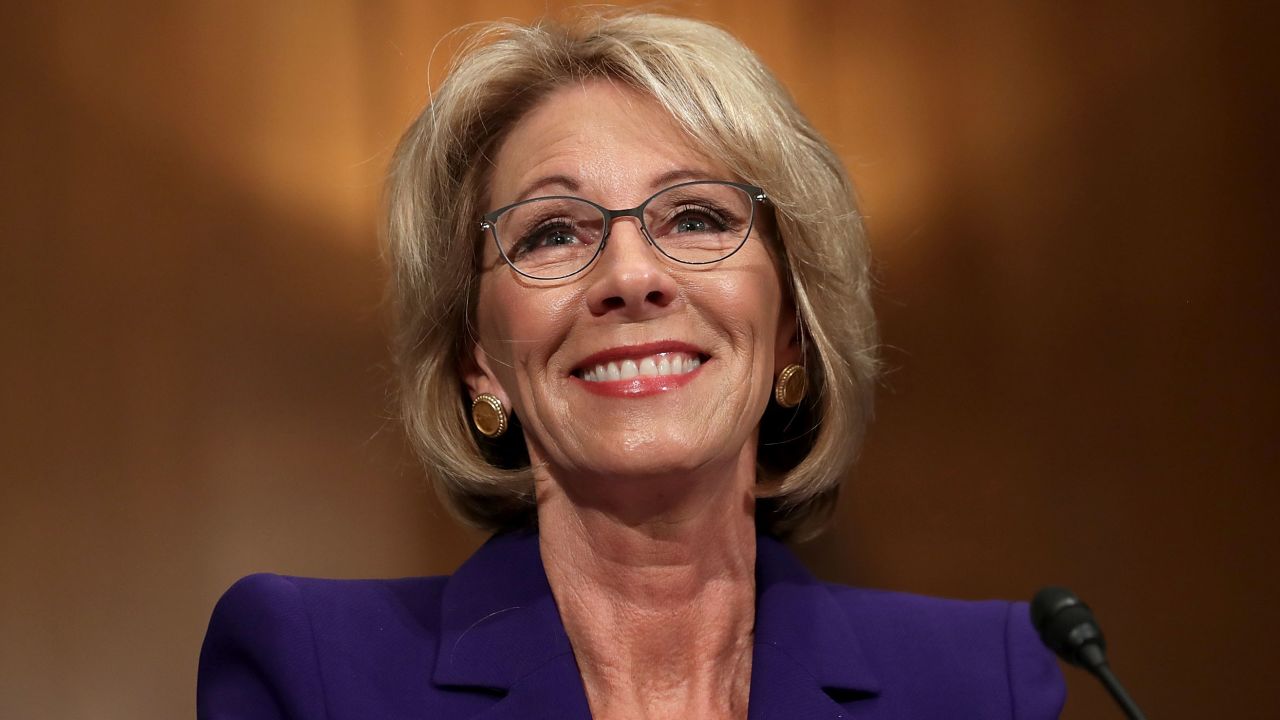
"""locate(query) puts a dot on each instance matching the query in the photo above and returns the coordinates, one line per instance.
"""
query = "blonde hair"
(730, 104)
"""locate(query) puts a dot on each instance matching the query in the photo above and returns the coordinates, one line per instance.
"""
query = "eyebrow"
(664, 180)
(564, 181)
(670, 178)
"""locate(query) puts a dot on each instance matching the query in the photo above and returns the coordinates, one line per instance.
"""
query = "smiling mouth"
(662, 364)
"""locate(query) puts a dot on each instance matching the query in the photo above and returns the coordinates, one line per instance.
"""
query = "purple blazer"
(487, 643)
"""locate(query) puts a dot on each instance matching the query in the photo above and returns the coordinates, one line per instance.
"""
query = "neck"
(659, 608)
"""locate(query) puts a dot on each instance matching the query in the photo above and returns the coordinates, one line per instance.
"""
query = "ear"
(787, 349)
(478, 376)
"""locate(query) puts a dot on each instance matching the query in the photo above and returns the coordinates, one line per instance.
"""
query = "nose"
(630, 278)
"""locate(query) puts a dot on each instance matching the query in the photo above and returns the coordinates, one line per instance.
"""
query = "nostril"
(657, 297)
(614, 303)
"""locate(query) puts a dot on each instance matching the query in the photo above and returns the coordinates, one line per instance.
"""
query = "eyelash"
(539, 230)
(716, 214)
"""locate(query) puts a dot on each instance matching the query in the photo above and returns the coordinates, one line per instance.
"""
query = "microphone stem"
(1112, 683)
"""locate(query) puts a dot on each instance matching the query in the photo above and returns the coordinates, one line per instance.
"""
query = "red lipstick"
(638, 385)
(635, 352)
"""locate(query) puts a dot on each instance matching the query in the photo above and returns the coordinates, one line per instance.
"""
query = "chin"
(648, 455)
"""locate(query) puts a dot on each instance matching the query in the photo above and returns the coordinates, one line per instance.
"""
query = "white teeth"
(648, 367)
(651, 366)
(629, 369)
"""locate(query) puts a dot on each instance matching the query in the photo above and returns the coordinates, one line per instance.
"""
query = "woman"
(626, 260)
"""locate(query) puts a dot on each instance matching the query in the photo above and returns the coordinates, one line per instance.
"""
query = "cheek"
(749, 302)
(520, 327)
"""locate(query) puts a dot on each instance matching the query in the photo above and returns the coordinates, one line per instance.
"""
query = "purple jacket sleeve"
(259, 657)
(1036, 688)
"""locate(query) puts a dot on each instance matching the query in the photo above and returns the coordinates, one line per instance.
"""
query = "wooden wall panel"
(1068, 206)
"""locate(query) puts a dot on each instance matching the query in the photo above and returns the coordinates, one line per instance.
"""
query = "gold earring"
(488, 416)
(792, 382)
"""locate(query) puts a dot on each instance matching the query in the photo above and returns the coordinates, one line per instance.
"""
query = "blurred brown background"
(1077, 294)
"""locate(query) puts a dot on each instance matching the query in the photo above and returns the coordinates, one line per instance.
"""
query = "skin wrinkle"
(645, 505)
(668, 587)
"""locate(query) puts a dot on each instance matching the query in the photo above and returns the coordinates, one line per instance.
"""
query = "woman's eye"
(558, 237)
(544, 237)
(691, 224)
(698, 221)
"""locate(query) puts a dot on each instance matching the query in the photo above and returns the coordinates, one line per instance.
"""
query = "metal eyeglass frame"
(489, 222)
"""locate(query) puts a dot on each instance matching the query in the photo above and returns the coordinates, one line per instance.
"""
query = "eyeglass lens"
(554, 237)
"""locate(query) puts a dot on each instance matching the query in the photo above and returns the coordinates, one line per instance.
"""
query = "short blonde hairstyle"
(732, 106)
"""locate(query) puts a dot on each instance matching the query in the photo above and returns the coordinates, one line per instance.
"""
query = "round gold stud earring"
(488, 416)
(791, 385)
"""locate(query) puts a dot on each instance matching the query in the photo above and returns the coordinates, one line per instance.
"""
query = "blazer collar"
(501, 630)
(806, 652)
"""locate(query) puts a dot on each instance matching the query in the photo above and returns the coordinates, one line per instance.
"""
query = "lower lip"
(639, 386)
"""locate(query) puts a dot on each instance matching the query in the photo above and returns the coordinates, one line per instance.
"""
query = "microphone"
(1067, 627)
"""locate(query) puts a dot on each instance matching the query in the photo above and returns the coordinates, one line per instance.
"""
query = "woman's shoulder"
(923, 656)
(277, 645)
(272, 592)
(947, 648)
(903, 614)
(263, 607)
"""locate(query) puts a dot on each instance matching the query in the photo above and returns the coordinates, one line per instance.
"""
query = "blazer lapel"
(551, 692)
(501, 631)
(806, 655)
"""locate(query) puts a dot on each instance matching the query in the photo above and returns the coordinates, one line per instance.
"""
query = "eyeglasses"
(555, 237)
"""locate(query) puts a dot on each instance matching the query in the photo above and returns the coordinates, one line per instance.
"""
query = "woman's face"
(704, 343)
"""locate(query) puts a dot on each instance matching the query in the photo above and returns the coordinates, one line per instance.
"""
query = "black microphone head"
(1067, 626)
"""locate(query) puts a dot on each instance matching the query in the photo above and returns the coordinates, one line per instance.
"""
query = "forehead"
(611, 141)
